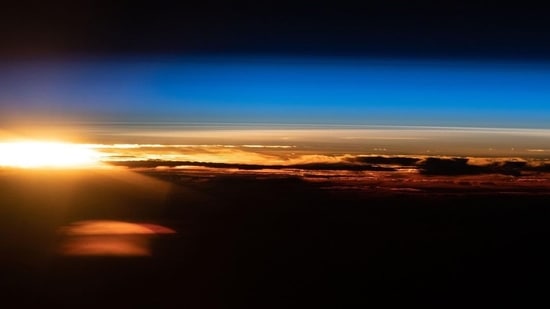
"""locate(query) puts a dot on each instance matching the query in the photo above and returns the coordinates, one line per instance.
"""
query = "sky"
(126, 72)
(278, 90)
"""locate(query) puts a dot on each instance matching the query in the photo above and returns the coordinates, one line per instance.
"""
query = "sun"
(34, 154)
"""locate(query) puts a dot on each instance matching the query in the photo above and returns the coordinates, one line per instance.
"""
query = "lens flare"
(34, 154)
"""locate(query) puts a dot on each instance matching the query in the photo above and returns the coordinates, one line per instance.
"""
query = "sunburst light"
(32, 154)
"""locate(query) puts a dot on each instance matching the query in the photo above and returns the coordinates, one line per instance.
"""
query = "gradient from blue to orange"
(279, 90)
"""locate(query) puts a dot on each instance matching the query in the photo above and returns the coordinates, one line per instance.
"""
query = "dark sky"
(443, 29)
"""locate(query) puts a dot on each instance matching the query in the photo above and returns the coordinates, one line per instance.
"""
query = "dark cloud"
(460, 166)
(452, 166)
(305, 166)
(543, 168)
(426, 166)
(510, 167)
(341, 166)
(403, 161)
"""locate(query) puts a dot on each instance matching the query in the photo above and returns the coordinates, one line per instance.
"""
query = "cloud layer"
(234, 157)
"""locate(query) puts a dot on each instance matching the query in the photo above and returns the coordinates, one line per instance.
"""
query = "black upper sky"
(443, 29)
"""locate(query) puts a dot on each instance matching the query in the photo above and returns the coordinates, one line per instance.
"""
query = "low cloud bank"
(424, 165)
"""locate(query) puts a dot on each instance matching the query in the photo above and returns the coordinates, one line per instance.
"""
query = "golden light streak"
(34, 154)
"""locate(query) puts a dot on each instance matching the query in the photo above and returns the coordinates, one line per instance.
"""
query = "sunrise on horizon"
(273, 155)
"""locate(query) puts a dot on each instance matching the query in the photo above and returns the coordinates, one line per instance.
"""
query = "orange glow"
(31, 154)
(108, 227)
(107, 245)
(109, 238)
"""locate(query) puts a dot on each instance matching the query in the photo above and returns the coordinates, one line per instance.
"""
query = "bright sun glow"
(47, 154)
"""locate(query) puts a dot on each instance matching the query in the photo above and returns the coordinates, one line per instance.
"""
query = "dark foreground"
(275, 242)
